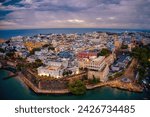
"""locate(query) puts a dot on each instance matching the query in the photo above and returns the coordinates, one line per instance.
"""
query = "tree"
(33, 50)
(84, 77)
(20, 66)
(66, 73)
(51, 48)
(2, 50)
(38, 61)
(10, 54)
(104, 52)
(21, 59)
(94, 80)
(124, 47)
(77, 87)
(141, 73)
(35, 64)
(143, 55)
(7, 42)
(46, 45)
(69, 72)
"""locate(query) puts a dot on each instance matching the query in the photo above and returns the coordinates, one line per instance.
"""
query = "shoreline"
(112, 84)
(109, 84)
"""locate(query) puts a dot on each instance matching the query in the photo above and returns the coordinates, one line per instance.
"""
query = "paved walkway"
(129, 72)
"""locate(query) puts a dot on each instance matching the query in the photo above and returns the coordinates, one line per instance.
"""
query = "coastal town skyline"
(74, 63)
(75, 49)
(26, 14)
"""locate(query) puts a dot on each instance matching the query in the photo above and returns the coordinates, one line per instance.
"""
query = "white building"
(101, 75)
(115, 68)
(54, 63)
(38, 53)
(95, 40)
(63, 63)
(17, 38)
(146, 41)
(93, 63)
(2, 54)
(97, 63)
(75, 70)
(42, 57)
(45, 50)
(51, 71)
(31, 59)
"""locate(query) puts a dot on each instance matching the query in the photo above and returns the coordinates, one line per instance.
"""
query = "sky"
(26, 14)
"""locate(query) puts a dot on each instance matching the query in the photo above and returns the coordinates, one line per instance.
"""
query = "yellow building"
(31, 45)
(117, 44)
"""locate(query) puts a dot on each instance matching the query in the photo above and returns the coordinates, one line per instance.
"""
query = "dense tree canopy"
(124, 47)
(104, 52)
(2, 50)
(10, 54)
(77, 87)
(143, 56)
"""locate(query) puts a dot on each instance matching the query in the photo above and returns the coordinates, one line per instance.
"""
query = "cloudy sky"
(20, 14)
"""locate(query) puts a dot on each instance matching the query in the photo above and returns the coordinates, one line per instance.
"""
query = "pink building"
(85, 54)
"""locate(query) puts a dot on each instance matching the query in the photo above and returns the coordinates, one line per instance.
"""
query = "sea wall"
(60, 86)
(42, 91)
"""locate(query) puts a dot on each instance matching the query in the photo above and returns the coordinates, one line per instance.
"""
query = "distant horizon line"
(76, 28)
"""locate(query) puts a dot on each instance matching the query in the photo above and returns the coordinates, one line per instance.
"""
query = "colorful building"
(86, 54)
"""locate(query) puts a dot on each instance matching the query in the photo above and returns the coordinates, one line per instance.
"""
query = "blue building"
(65, 54)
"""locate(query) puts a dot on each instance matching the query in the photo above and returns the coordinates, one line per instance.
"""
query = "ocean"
(6, 34)
(13, 89)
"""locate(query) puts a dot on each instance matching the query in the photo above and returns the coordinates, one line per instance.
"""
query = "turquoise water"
(13, 89)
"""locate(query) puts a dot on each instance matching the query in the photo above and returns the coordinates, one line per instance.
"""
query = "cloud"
(112, 18)
(26, 2)
(75, 13)
(98, 18)
(7, 23)
(75, 21)
(10, 8)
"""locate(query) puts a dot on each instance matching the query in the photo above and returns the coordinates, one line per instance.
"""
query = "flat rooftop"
(52, 68)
